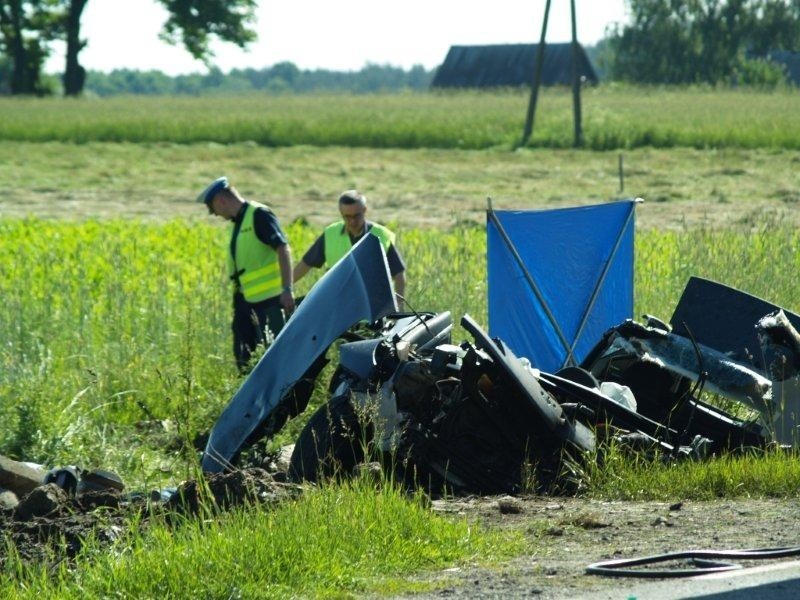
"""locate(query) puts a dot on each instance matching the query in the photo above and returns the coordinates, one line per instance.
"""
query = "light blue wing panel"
(357, 288)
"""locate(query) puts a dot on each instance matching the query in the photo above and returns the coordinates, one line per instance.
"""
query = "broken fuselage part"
(356, 288)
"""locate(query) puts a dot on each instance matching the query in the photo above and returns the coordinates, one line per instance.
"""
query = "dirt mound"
(226, 490)
(49, 526)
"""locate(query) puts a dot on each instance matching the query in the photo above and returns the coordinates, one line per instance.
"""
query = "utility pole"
(576, 82)
(537, 74)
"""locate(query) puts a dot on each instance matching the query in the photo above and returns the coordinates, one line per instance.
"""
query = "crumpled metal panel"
(780, 347)
(724, 318)
(523, 381)
(678, 355)
(357, 288)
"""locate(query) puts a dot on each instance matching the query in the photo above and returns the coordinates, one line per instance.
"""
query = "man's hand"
(287, 301)
(285, 264)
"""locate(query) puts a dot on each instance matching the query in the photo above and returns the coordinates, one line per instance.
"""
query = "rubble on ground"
(47, 522)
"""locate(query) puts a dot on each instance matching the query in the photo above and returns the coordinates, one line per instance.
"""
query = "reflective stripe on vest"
(257, 263)
(337, 241)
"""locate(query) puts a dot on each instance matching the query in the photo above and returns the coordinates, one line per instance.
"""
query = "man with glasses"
(337, 239)
(259, 265)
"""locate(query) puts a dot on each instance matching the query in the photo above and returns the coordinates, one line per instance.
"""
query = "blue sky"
(341, 35)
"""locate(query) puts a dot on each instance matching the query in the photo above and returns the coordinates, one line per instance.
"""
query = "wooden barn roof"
(504, 65)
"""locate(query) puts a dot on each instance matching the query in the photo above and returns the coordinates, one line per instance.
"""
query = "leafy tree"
(26, 27)
(601, 56)
(285, 71)
(418, 78)
(693, 41)
(5, 75)
(778, 27)
(191, 85)
(195, 22)
(656, 46)
(759, 72)
(280, 78)
(74, 73)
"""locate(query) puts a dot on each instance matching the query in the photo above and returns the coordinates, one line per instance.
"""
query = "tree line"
(663, 42)
(702, 41)
(284, 77)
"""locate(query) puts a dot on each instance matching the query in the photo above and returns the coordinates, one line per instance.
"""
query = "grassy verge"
(614, 117)
(333, 542)
(114, 348)
(774, 474)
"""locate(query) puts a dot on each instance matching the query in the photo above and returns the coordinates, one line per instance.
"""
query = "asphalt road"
(779, 581)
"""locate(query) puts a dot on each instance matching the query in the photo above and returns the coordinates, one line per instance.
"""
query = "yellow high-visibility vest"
(337, 241)
(259, 274)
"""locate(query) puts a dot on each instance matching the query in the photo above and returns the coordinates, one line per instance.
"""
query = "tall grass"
(759, 261)
(115, 341)
(614, 117)
(623, 476)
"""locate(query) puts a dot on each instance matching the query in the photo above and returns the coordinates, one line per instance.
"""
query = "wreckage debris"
(20, 479)
(280, 384)
(50, 523)
(475, 418)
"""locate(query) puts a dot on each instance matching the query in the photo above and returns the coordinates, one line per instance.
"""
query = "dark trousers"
(250, 322)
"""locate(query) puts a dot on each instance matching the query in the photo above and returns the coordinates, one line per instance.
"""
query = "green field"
(422, 188)
(115, 340)
(614, 117)
(111, 329)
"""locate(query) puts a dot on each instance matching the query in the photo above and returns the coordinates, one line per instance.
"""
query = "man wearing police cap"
(259, 265)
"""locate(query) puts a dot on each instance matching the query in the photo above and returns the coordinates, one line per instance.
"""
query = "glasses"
(353, 217)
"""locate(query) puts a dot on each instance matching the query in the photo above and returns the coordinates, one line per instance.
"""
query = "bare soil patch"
(565, 535)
